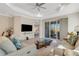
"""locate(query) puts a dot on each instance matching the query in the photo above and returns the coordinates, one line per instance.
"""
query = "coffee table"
(43, 43)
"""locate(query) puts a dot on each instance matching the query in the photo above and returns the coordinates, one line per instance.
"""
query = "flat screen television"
(25, 27)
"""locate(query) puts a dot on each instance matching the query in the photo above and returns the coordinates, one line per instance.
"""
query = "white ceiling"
(50, 8)
(26, 9)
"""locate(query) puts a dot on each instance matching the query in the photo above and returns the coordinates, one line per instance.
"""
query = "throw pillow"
(72, 39)
(68, 52)
(16, 42)
(59, 51)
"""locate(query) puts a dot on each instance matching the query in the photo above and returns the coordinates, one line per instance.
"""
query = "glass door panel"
(52, 29)
(58, 29)
(47, 29)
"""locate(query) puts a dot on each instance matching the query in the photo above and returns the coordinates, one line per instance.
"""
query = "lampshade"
(77, 28)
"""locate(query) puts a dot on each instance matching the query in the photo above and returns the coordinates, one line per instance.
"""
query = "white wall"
(23, 20)
(5, 23)
(17, 25)
(73, 20)
(15, 22)
(29, 22)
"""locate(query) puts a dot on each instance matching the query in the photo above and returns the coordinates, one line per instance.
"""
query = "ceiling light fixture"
(39, 15)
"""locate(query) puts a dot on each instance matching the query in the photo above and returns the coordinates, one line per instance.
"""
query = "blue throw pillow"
(16, 42)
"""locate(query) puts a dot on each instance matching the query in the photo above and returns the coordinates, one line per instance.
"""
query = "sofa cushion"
(26, 51)
(77, 44)
(7, 45)
(59, 52)
(2, 53)
(76, 52)
(68, 52)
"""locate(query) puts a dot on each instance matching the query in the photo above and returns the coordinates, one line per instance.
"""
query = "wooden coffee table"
(40, 45)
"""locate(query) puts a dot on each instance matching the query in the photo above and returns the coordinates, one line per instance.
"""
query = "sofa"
(7, 48)
(71, 41)
(63, 52)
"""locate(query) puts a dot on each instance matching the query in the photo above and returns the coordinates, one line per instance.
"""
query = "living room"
(43, 31)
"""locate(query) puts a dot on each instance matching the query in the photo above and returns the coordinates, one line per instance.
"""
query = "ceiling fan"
(39, 6)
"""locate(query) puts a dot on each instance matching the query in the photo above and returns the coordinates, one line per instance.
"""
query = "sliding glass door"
(52, 29)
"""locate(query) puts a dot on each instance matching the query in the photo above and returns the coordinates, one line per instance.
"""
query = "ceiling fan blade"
(43, 7)
(42, 4)
(39, 4)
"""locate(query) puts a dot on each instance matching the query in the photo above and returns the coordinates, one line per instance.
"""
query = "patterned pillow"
(72, 39)
(16, 42)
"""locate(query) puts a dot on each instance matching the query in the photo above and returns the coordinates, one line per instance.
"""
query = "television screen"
(25, 27)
